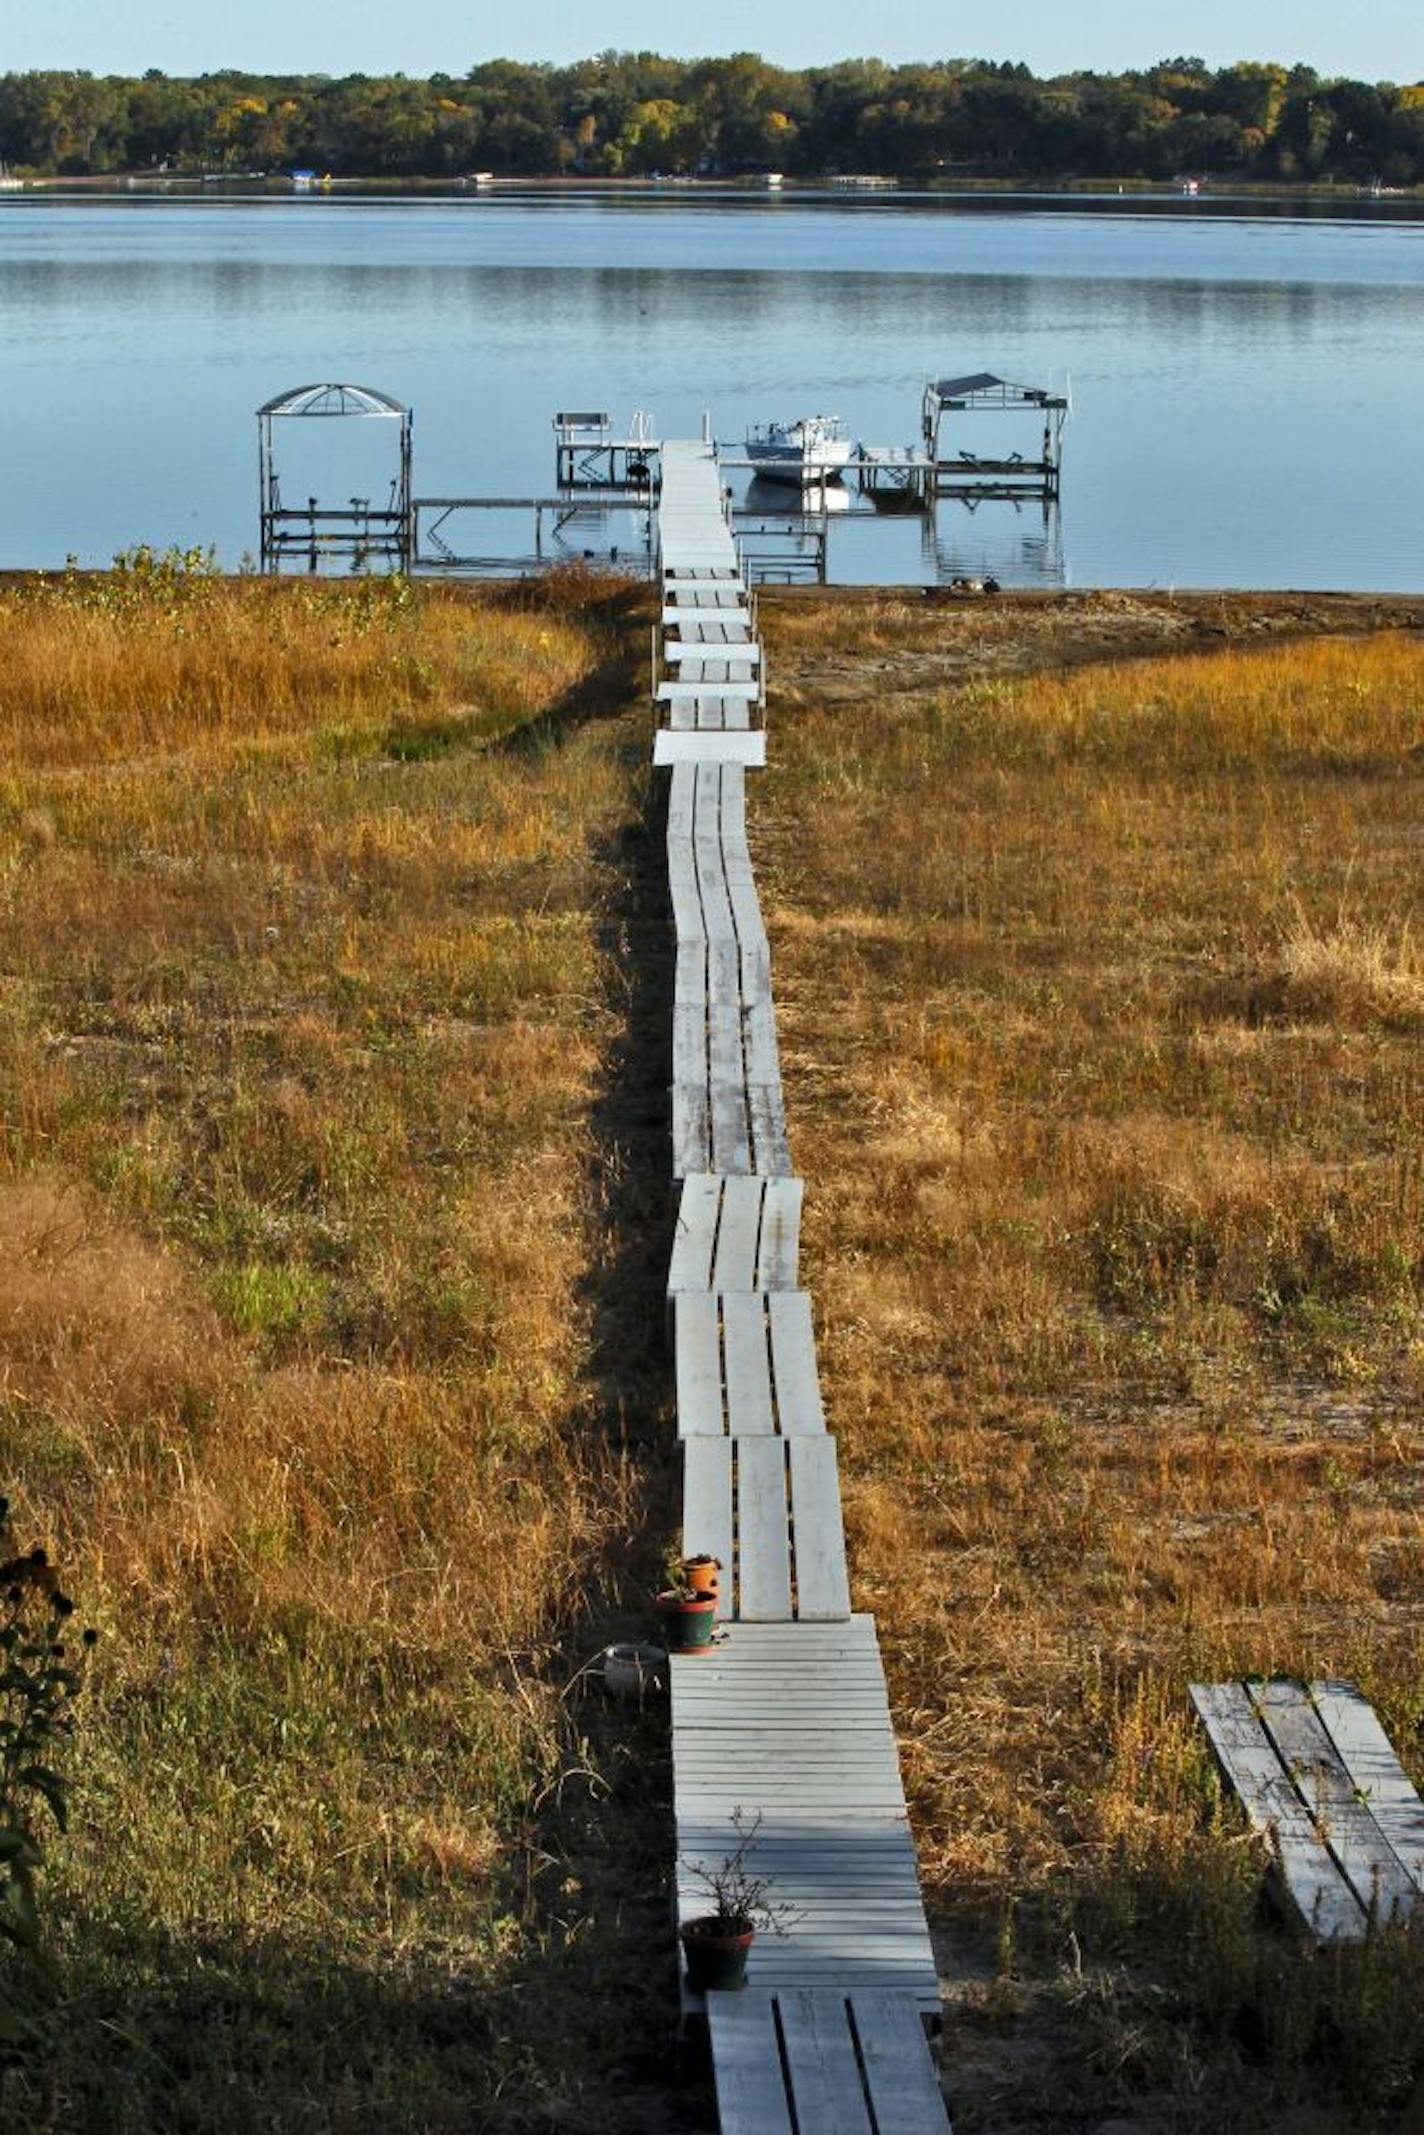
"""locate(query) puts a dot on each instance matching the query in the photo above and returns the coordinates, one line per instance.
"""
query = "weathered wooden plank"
(734, 712)
(690, 972)
(793, 1354)
(694, 689)
(746, 1366)
(763, 1538)
(731, 1135)
(779, 1246)
(691, 1129)
(900, 2074)
(689, 1044)
(724, 1023)
(745, 747)
(771, 1149)
(707, 1507)
(690, 659)
(1375, 1772)
(746, 2065)
(738, 1233)
(823, 1583)
(694, 1240)
(687, 920)
(1309, 1876)
(820, 2063)
(681, 791)
(1342, 1820)
(699, 1366)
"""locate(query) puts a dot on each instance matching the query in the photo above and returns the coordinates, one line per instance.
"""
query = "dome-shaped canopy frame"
(355, 532)
(333, 399)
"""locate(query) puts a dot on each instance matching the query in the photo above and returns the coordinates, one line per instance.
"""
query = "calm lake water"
(1245, 383)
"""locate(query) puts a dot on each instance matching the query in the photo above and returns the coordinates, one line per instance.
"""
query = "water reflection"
(1243, 385)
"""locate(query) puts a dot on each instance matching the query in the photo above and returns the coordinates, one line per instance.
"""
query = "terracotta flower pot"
(716, 1952)
(701, 1573)
(686, 1623)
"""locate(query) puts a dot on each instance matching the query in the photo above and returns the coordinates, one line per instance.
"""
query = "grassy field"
(1102, 997)
(311, 1211)
(334, 1037)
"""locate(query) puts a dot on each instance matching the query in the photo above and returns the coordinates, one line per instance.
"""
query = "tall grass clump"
(306, 1011)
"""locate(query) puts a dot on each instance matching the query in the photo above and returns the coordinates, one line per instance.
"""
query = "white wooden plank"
(763, 1537)
(689, 1044)
(738, 1234)
(821, 2064)
(900, 2074)
(690, 659)
(793, 1353)
(747, 1366)
(758, 1016)
(690, 972)
(682, 787)
(1375, 1772)
(695, 1234)
(1344, 1822)
(707, 1510)
(724, 1027)
(771, 1149)
(746, 2065)
(724, 709)
(779, 1246)
(687, 920)
(691, 691)
(699, 1366)
(731, 1128)
(822, 1583)
(700, 748)
(691, 1129)
(1309, 1877)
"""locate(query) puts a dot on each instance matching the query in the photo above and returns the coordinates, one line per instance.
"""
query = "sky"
(1383, 40)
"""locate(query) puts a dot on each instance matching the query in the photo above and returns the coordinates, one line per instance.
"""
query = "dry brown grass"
(305, 1008)
(1099, 1006)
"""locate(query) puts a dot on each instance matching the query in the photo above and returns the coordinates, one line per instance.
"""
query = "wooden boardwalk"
(1316, 1776)
(786, 1719)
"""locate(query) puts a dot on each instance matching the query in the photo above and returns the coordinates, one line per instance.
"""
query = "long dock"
(785, 1721)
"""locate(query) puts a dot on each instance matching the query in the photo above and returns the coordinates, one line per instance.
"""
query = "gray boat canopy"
(988, 389)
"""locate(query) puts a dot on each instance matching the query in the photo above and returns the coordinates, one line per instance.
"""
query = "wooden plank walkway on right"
(1315, 1774)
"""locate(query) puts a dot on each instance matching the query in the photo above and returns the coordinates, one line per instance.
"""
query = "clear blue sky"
(1381, 40)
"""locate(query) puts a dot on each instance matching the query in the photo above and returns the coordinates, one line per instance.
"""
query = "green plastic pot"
(686, 1624)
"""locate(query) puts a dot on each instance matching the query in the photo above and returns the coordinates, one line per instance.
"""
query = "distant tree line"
(633, 114)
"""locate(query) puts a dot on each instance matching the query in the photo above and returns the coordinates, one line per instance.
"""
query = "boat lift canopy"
(983, 389)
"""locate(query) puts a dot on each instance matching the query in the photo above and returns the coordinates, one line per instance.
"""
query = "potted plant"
(700, 1573)
(687, 1617)
(716, 1944)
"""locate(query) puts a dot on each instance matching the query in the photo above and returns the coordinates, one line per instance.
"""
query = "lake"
(1244, 380)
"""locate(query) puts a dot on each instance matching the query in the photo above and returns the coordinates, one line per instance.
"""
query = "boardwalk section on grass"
(783, 1727)
(1315, 1774)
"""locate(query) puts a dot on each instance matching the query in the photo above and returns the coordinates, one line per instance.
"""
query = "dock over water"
(784, 1723)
